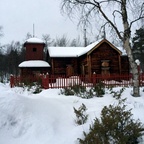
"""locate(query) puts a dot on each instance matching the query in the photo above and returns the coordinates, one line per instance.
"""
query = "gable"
(106, 42)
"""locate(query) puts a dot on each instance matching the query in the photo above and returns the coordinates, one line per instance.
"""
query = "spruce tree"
(138, 46)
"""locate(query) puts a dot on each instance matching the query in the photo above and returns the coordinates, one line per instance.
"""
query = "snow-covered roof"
(70, 51)
(34, 40)
(74, 51)
(65, 51)
(34, 63)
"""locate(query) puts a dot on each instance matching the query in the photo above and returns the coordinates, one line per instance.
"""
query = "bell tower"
(34, 49)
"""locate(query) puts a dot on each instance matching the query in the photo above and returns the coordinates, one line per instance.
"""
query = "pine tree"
(138, 46)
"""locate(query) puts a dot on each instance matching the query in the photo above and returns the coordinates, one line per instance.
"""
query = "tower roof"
(34, 40)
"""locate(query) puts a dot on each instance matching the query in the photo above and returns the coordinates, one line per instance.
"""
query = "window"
(34, 49)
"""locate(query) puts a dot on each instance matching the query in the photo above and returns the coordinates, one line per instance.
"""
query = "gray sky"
(18, 16)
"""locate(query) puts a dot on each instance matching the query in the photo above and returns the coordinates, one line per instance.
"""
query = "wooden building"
(100, 57)
(34, 63)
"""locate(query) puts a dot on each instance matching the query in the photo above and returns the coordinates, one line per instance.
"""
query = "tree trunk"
(127, 46)
(124, 35)
(134, 68)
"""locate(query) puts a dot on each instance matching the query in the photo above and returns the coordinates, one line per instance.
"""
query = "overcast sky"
(18, 16)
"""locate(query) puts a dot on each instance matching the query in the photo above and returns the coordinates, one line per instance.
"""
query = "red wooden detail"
(12, 81)
(45, 81)
(62, 81)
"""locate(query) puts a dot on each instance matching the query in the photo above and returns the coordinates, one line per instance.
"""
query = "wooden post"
(11, 81)
(89, 67)
(43, 83)
(52, 66)
(119, 64)
(94, 78)
(47, 81)
(138, 68)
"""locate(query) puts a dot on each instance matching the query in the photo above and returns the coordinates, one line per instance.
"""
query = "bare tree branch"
(141, 15)
(91, 8)
(106, 1)
(111, 23)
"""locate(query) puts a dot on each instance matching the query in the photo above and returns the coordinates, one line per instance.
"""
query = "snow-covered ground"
(48, 117)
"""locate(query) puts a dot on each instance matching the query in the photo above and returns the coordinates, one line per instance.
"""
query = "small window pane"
(34, 49)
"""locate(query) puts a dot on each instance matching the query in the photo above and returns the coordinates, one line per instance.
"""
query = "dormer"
(34, 49)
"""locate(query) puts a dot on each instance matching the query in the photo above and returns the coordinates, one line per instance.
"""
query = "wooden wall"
(105, 52)
(60, 65)
(34, 51)
(33, 71)
(125, 67)
(91, 62)
(83, 65)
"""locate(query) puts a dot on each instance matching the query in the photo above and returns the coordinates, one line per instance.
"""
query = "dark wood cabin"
(105, 59)
(34, 63)
(100, 57)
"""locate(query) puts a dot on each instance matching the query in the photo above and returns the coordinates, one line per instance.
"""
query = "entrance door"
(69, 70)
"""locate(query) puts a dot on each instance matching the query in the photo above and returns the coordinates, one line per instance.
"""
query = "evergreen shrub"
(99, 89)
(117, 94)
(115, 126)
(34, 87)
(81, 116)
(37, 89)
(81, 91)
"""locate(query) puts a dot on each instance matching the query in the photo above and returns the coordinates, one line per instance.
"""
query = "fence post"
(47, 81)
(94, 78)
(43, 80)
(11, 81)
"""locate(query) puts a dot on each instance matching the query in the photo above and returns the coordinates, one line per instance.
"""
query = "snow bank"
(48, 118)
